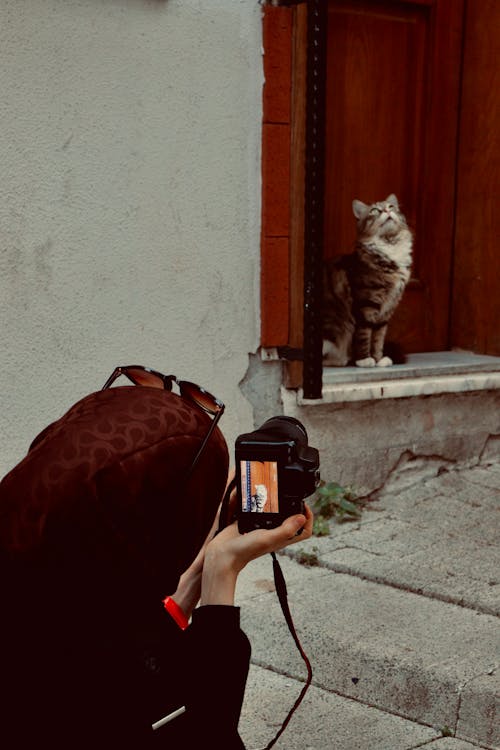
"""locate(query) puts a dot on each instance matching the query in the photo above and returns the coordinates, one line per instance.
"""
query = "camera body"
(275, 470)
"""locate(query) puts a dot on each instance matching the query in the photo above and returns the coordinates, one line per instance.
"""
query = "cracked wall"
(399, 441)
(261, 386)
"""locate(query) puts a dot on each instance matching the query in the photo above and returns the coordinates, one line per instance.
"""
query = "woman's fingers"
(242, 548)
(293, 529)
(229, 552)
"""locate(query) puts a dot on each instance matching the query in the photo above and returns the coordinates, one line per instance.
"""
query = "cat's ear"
(359, 209)
(393, 200)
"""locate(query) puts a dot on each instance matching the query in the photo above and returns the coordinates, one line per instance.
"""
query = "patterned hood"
(99, 511)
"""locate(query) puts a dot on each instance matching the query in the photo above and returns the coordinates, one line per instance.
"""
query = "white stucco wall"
(129, 200)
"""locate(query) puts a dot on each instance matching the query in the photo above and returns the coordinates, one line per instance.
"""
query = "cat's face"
(381, 219)
(260, 496)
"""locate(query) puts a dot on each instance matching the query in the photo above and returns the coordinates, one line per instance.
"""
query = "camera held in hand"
(275, 470)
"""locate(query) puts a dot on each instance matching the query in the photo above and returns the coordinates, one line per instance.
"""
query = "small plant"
(321, 527)
(310, 559)
(334, 501)
(447, 732)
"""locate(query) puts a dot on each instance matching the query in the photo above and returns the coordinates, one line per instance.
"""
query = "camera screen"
(259, 486)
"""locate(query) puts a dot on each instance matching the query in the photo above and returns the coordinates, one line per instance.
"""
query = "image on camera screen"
(259, 486)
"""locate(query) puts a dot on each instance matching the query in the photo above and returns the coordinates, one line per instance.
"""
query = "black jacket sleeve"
(220, 656)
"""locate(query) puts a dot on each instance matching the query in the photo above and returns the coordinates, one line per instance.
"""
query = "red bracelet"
(176, 612)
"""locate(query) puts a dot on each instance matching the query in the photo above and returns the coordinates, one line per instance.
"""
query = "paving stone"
(257, 578)
(443, 545)
(448, 743)
(447, 572)
(323, 721)
(484, 476)
(479, 709)
(402, 652)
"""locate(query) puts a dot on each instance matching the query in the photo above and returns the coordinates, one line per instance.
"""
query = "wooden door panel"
(374, 100)
(476, 300)
(393, 76)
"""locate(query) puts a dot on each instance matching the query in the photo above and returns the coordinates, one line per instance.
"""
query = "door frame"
(286, 297)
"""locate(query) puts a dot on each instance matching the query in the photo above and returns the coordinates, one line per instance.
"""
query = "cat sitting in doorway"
(259, 500)
(362, 290)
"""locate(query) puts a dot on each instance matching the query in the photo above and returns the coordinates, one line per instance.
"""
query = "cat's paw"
(367, 362)
(384, 362)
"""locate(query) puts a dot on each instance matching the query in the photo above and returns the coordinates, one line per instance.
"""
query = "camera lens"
(287, 427)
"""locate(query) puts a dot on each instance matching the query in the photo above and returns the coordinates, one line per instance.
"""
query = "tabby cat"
(362, 289)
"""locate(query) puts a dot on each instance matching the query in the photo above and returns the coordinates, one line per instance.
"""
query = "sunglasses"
(139, 375)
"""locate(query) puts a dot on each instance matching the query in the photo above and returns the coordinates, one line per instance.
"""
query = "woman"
(107, 545)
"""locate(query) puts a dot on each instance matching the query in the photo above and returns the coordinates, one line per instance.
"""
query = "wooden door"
(393, 82)
(476, 279)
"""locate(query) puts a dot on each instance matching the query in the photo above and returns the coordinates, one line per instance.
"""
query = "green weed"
(334, 501)
(447, 732)
(310, 559)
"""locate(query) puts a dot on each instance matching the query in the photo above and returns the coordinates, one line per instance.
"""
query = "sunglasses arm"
(115, 374)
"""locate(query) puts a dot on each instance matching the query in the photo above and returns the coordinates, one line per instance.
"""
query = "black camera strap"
(281, 591)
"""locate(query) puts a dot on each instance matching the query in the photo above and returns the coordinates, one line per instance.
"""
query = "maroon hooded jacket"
(97, 523)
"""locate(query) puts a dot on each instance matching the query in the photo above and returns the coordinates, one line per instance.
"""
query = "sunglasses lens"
(144, 377)
(200, 397)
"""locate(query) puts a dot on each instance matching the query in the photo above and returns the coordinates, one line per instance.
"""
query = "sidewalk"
(400, 622)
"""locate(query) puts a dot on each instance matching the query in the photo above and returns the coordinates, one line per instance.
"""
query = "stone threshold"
(424, 374)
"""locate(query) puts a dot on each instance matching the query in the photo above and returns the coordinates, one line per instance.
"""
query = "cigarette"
(169, 717)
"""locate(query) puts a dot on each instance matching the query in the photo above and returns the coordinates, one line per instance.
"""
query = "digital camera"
(275, 470)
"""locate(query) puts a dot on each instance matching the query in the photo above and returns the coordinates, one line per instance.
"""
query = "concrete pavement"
(399, 617)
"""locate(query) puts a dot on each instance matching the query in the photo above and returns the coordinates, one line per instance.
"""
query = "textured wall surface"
(129, 200)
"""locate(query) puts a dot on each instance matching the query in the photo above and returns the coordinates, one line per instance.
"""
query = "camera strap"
(281, 591)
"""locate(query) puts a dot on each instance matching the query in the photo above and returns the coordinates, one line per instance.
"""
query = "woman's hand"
(230, 551)
(187, 594)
